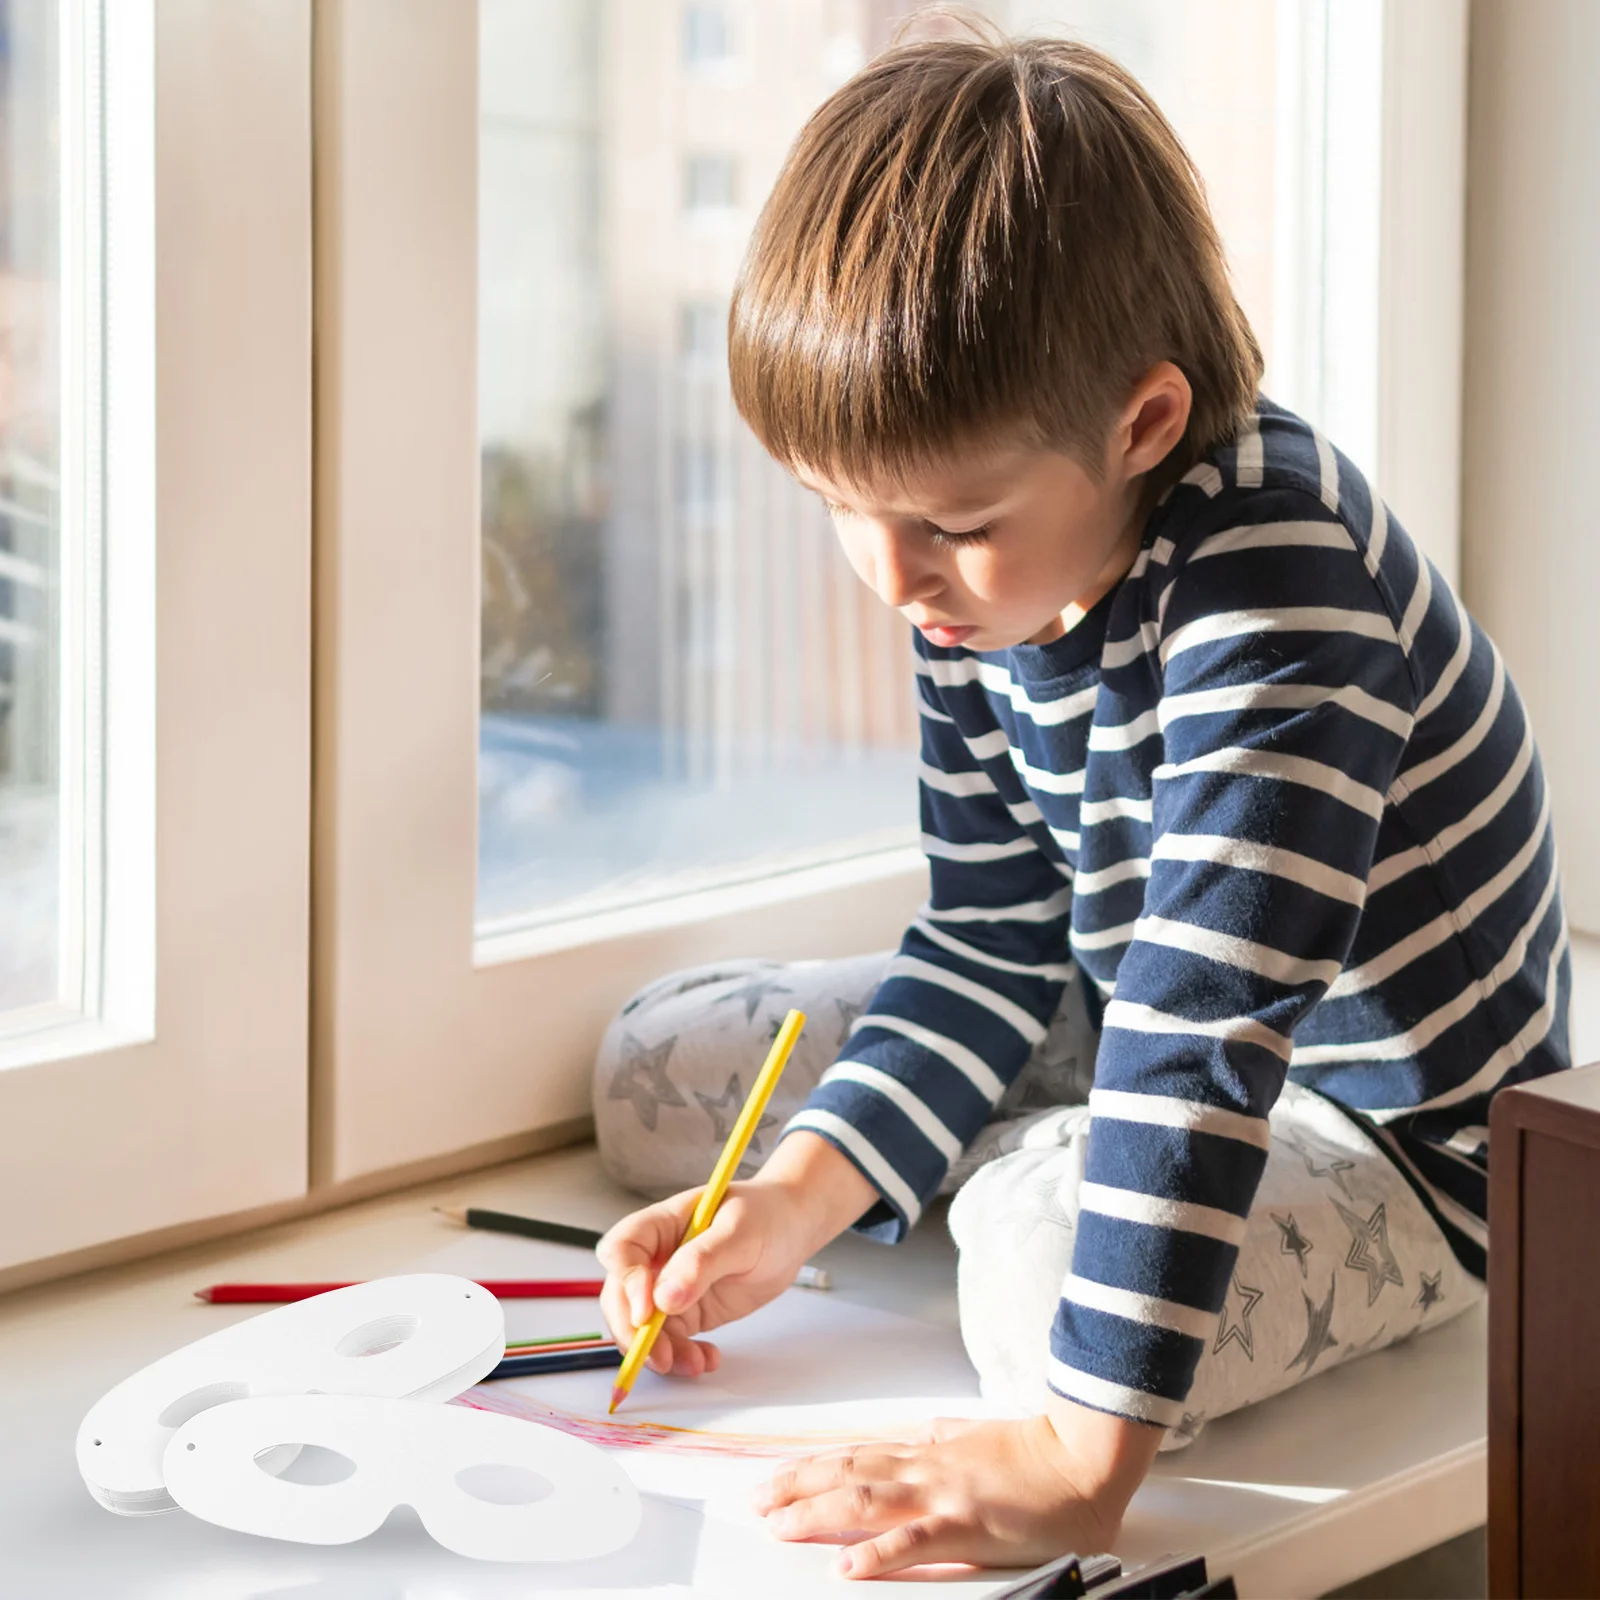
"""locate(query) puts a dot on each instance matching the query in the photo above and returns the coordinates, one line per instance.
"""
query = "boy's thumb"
(687, 1275)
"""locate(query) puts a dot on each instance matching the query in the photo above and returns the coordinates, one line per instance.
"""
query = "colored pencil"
(501, 1289)
(528, 1227)
(560, 1361)
(563, 1338)
(808, 1277)
(711, 1196)
(554, 1347)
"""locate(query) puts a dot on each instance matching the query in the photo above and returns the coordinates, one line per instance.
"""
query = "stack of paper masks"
(359, 1372)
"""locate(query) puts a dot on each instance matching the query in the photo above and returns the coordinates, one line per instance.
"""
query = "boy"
(1198, 723)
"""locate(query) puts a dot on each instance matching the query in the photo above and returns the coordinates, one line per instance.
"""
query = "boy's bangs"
(879, 320)
(854, 390)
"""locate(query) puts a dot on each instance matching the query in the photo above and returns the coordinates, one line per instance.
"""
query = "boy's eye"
(948, 537)
(938, 535)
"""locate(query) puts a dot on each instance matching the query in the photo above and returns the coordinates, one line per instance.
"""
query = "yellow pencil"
(711, 1197)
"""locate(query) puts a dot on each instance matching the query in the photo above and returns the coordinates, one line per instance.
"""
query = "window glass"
(705, 36)
(33, 838)
(682, 682)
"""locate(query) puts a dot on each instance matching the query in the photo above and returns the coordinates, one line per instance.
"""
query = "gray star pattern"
(1293, 1243)
(753, 993)
(642, 1078)
(1319, 1338)
(1335, 1167)
(1190, 1424)
(1430, 1294)
(731, 1101)
(1036, 1203)
(1238, 1331)
(1369, 1249)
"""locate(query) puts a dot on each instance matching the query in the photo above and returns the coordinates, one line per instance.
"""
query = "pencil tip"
(202, 1294)
(454, 1213)
(618, 1395)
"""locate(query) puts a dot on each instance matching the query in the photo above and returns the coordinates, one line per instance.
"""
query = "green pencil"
(564, 1338)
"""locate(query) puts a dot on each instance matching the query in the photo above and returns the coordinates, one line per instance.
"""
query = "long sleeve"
(972, 988)
(1286, 699)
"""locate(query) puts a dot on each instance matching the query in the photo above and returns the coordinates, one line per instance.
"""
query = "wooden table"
(1544, 1337)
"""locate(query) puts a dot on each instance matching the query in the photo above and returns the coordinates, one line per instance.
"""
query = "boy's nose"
(900, 574)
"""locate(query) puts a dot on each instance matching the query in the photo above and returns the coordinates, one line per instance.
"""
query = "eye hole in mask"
(198, 1400)
(310, 1464)
(376, 1337)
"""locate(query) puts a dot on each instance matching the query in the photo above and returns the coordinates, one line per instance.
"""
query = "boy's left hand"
(1006, 1494)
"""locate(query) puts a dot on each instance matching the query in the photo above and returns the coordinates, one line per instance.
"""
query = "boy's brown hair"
(978, 242)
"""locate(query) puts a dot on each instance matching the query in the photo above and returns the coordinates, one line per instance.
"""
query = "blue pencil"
(557, 1361)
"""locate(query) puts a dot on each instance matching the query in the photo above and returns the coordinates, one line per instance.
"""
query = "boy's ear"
(1152, 422)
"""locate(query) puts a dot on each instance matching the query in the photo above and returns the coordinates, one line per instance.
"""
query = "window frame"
(185, 1098)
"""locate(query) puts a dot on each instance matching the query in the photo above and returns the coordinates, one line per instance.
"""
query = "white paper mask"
(426, 1335)
(452, 1464)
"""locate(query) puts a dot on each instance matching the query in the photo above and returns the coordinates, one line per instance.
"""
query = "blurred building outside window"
(32, 836)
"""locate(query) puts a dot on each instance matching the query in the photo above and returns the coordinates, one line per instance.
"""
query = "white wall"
(1531, 520)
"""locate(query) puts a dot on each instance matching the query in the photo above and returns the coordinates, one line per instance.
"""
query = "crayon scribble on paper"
(616, 1433)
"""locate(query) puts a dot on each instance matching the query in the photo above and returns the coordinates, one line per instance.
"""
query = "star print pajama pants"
(1339, 1257)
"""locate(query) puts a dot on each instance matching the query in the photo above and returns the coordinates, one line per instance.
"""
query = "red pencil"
(500, 1288)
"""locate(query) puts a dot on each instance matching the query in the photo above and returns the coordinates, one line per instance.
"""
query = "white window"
(710, 181)
(707, 41)
(154, 609)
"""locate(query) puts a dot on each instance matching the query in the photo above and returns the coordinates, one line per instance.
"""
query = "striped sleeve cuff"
(894, 1216)
(1131, 1355)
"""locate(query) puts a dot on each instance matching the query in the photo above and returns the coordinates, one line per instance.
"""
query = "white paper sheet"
(806, 1372)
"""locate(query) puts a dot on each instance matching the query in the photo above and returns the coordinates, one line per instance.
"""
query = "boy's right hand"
(760, 1237)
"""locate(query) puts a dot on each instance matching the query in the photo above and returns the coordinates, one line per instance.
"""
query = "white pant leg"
(1339, 1258)
(676, 1063)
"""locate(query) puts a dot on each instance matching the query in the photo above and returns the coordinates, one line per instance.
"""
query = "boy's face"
(989, 550)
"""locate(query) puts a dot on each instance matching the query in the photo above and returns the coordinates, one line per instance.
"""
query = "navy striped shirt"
(1277, 798)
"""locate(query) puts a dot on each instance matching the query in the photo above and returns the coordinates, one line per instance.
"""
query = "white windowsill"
(1289, 1497)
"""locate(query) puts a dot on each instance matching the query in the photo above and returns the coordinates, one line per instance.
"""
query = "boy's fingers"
(865, 1506)
(687, 1276)
(639, 1293)
(912, 1543)
(614, 1308)
(696, 1266)
(641, 1236)
(836, 1469)
(683, 1356)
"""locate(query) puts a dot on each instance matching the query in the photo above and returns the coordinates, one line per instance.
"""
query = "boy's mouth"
(947, 637)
